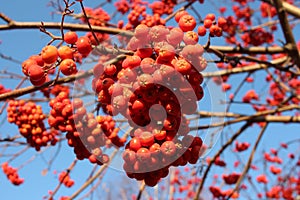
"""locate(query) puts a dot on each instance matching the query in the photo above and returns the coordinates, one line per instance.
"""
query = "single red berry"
(68, 67)
(201, 31)
(83, 45)
(70, 37)
(187, 23)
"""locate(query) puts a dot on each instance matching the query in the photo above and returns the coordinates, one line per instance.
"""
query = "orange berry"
(49, 54)
(68, 67)
(65, 52)
(70, 37)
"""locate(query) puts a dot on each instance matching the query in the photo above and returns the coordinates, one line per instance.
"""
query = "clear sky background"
(20, 44)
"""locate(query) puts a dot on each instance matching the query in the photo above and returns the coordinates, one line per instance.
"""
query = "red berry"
(207, 23)
(70, 37)
(180, 14)
(201, 31)
(83, 45)
(168, 148)
(36, 72)
(49, 54)
(210, 16)
(68, 67)
(187, 23)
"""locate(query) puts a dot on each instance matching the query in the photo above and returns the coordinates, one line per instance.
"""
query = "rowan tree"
(150, 99)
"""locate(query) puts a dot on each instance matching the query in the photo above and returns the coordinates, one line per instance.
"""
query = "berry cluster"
(55, 90)
(91, 134)
(97, 17)
(149, 159)
(214, 26)
(65, 179)
(241, 146)
(257, 37)
(220, 194)
(12, 174)
(138, 13)
(38, 67)
(243, 13)
(277, 93)
(153, 89)
(231, 178)
(267, 10)
(122, 6)
(29, 118)
(85, 133)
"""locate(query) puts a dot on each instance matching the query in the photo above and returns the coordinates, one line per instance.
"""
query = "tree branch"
(287, 32)
(249, 68)
(61, 182)
(27, 90)
(92, 179)
(291, 9)
(57, 25)
(257, 117)
(248, 50)
(231, 140)
(248, 165)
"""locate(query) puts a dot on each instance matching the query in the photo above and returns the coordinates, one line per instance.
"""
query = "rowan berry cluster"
(12, 174)
(241, 146)
(220, 194)
(278, 93)
(232, 178)
(55, 90)
(38, 67)
(97, 17)
(91, 135)
(183, 180)
(138, 13)
(65, 179)
(149, 159)
(257, 37)
(85, 133)
(161, 77)
(214, 26)
(122, 6)
(267, 10)
(29, 117)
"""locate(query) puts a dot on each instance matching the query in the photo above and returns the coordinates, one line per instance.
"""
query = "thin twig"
(142, 188)
(230, 141)
(61, 182)
(247, 167)
(92, 179)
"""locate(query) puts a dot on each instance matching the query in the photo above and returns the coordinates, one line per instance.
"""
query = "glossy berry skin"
(83, 45)
(207, 23)
(65, 52)
(35, 72)
(49, 54)
(190, 37)
(180, 14)
(39, 82)
(68, 67)
(135, 144)
(201, 31)
(210, 16)
(187, 23)
(70, 37)
(168, 148)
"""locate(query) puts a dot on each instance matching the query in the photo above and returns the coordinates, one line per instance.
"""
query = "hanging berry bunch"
(29, 117)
